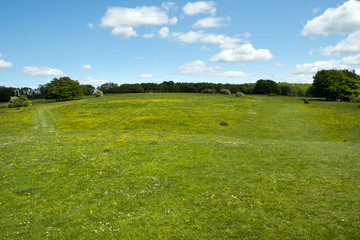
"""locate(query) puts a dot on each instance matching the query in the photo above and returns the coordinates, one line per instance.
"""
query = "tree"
(88, 89)
(63, 88)
(335, 84)
(6, 93)
(267, 87)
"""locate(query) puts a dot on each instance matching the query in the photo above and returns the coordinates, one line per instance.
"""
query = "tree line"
(330, 84)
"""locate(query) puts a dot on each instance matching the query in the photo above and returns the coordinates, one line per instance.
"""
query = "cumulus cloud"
(199, 7)
(86, 67)
(150, 76)
(280, 65)
(199, 67)
(211, 22)
(232, 50)
(92, 81)
(90, 25)
(42, 71)
(311, 68)
(4, 64)
(242, 53)
(195, 67)
(340, 20)
(201, 36)
(232, 74)
(349, 45)
(149, 35)
(169, 6)
(164, 32)
(123, 20)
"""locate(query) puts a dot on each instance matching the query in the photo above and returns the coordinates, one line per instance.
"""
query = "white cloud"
(150, 76)
(242, 53)
(199, 67)
(123, 20)
(164, 32)
(4, 64)
(199, 7)
(90, 25)
(232, 51)
(86, 67)
(149, 35)
(311, 68)
(340, 20)
(280, 65)
(169, 6)
(300, 78)
(200, 36)
(232, 74)
(138, 58)
(195, 67)
(125, 31)
(316, 10)
(349, 45)
(42, 71)
(210, 22)
(92, 81)
(0, 55)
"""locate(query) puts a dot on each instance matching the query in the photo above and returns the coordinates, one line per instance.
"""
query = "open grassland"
(161, 166)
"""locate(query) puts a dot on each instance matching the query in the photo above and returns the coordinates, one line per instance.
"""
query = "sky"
(220, 41)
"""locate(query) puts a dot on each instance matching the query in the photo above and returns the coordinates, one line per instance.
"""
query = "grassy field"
(180, 166)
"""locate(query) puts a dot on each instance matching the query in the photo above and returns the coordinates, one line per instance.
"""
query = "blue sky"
(227, 41)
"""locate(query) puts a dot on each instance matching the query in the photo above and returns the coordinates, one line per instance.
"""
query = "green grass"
(165, 166)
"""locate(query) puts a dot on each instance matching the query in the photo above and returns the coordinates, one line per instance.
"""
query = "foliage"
(63, 88)
(239, 94)
(6, 93)
(354, 98)
(99, 93)
(267, 87)
(21, 101)
(294, 89)
(209, 90)
(88, 89)
(225, 91)
(335, 84)
(306, 101)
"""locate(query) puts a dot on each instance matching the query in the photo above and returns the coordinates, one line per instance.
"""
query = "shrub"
(225, 91)
(223, 123)
(209, 90)
(21, 101)
(354, 98)
(272, 94)
(99, 93)
(239, 94)
(306, 101)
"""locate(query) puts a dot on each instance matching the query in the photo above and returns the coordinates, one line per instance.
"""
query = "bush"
(272, 94)
(239, 94)
(99, 93)
(225, 91)
(21, 101)
(306, 101)
(223, 123)
(209, 90)
(354, 98)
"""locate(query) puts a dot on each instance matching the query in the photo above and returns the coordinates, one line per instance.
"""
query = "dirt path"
(44, 122)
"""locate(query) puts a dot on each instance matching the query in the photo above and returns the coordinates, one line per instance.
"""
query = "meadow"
(180, 166)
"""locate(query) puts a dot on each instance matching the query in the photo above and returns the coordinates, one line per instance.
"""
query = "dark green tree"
(267, 87)
(6, 93)
(335, 84)
(63, 88)
(88, 89)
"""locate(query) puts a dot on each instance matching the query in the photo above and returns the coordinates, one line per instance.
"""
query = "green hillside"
(180, 166)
